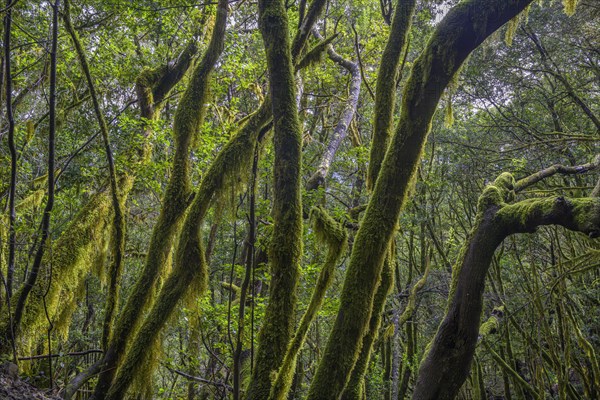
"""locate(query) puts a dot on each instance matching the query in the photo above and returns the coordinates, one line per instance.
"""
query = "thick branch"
(580, 215)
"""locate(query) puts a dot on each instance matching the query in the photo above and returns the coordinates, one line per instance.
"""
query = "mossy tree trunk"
(189, 114)
(385, 89)
(354, 389)
(286, 242)
(188, 118)
(460, 32)
(447, 362)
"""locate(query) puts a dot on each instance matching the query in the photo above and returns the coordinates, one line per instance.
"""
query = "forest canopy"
(393, 199)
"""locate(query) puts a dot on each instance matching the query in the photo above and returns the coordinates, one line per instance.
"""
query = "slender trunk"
(45, 226)
(118, 234)
(237, 355)
(13, 155)
(385, 89)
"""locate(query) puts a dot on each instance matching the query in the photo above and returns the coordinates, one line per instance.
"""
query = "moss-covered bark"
(332, 234)
(447, 362)
(286, 242)
(189, 114)
(461, 31)
(385, 89)
(354, 390)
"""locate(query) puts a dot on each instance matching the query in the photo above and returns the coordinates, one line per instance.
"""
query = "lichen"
(511, 30)
(570, 6)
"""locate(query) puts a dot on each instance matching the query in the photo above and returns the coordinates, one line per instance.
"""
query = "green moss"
(492, 324)
(354, 389)
(80, 249)
(315, 54)
(332, 234)
(581, 215)
(189, 270)
(570, 6)
(511, 30)
(385, 92)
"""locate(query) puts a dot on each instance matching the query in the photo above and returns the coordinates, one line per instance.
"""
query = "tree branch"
(556, 169)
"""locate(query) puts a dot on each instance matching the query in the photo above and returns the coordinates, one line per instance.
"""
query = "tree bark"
(341, 129)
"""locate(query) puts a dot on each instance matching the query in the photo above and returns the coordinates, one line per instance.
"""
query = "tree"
(241, 208)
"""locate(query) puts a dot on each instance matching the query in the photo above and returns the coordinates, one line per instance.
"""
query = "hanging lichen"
(570, 6)
(448, 113)
(315, 54)
(80, 248)
(511, 30)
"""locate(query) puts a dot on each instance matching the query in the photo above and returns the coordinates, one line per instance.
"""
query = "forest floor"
(12, 388)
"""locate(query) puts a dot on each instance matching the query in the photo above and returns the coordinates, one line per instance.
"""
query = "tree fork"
(447, 363)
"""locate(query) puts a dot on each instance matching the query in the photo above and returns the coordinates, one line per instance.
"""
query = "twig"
(362, 71)
(198, 379)
(73, 354)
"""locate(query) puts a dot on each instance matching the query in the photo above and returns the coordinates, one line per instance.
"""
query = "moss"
(78, 250)
(385, 91)
(570, 6)
(448, 114)
(139, 385)
(315, 54)
(332, 234)
(31, 202)
(137, 357)
(492, 324)
(354, 389)
(511, 30)
(495, 195)
(412, 297)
